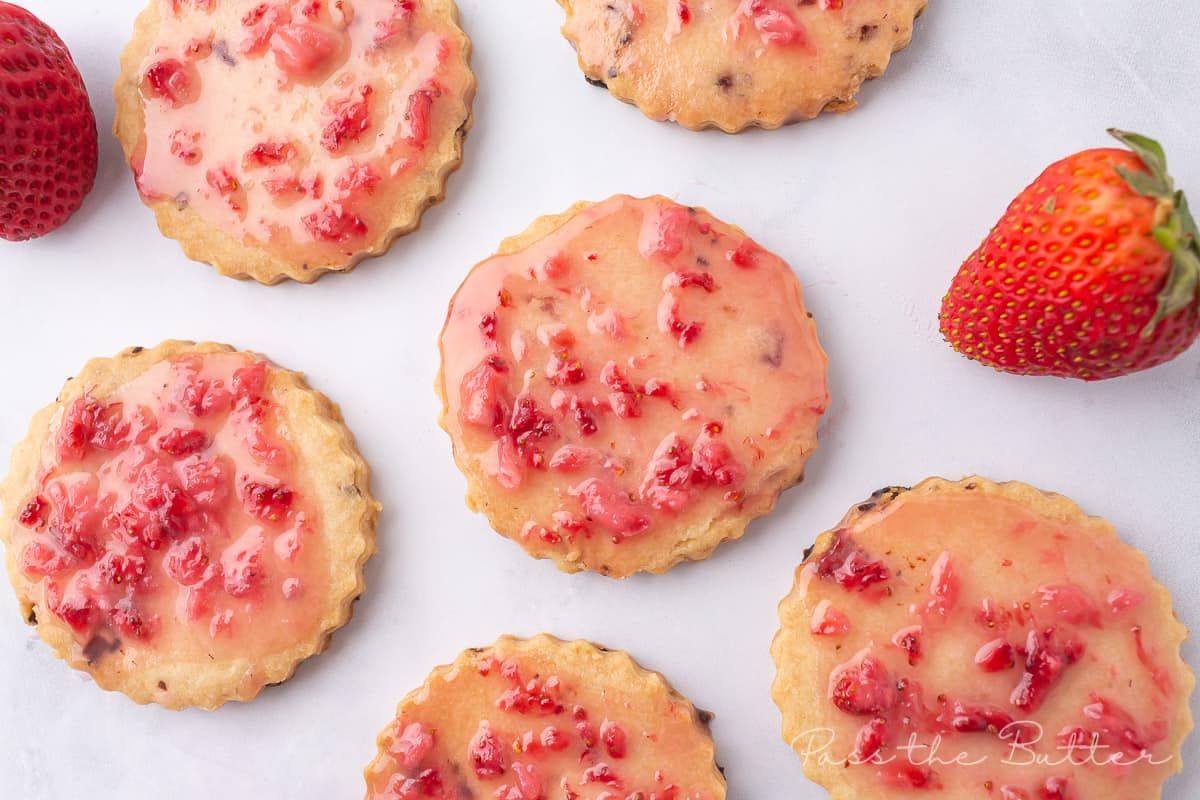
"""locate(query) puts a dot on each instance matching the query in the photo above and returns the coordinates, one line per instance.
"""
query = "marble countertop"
(874, 209)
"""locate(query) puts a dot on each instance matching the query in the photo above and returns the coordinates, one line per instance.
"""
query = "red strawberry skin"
(48, 147)
(1069, 279)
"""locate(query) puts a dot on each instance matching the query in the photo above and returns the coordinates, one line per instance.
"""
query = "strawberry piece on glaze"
(669, 475)
(1069, 603)
(944, 588)
(304, 51)
(611, 509)
(1055, 789)
(335, 224)
(995, 656)
(908, 776)
(34, 514)
(414, 129)
(613, 738)
(268, 154)
(412, 745)
(261, 22)
(1113, 728)
(774, 22)
(269, 503)
(180, 442)
(350, 117)
(849, 566)
(172, 81)
(486, 754)
(828, 621)
(663, 232)
(909, 640)
(713, 460)
(39, 559)
(88, 425)
(870, 740)
(397, 23)
(187, 560)
(1048, 654)
(862, 687)
(1123, 599)
(356, 180)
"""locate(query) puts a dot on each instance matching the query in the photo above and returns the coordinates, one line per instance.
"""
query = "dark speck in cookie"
(100, 645)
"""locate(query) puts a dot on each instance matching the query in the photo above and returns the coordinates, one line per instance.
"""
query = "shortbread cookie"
(976, 640)
(542, 718)
(292, 138)
(187, 523)
(628, 384)
(731, 64)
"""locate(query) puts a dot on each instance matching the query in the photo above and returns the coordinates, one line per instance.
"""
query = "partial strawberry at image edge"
(1092, 273)
(48, 138)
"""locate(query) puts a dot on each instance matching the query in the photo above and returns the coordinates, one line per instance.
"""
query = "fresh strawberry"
(1093, 272)
(47, 129)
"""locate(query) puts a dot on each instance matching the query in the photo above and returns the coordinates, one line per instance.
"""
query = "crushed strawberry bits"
(527, 720)
(375, 88)
(168, 513)
(600, 380)
(965, 635)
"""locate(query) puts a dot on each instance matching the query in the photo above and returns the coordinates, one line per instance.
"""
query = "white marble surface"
(875, 210)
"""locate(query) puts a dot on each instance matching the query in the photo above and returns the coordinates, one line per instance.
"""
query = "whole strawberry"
(47, 129)
(1093, 272)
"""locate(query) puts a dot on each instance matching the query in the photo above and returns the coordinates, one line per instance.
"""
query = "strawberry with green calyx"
(1093, 272)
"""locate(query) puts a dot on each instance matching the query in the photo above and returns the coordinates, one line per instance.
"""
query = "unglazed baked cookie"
(731, 64)
(187, 523)
(541, 718)
(999, 618)
(628, 384)
(293, 138)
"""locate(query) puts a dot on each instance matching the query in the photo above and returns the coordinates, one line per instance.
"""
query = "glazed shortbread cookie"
(628, 384)
(541, 718)
(293, 138)
(187, 523)
(978, 640)
(731, 64)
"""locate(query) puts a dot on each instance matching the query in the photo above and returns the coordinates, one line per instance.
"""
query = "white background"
(875, 210)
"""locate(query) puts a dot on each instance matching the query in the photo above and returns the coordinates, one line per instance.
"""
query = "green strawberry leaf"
(1178, 234)
(1185, 216)
(1149, 151)
(1149, 185)
(1183, 284)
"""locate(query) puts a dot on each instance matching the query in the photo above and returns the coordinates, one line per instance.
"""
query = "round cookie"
(187, 523)
(537, 718)
(731, 64)
(981, 640)
(293, 138)
(596, 383)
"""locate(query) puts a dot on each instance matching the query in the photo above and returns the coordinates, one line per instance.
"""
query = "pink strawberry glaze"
(971, 618)
(609, 423)
(351, 97)
(509, 729)
(168, 517)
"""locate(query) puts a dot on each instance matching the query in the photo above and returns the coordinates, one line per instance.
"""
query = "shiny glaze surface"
(975, 648)
(168, 521)
(601, 379)
(299, 125)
